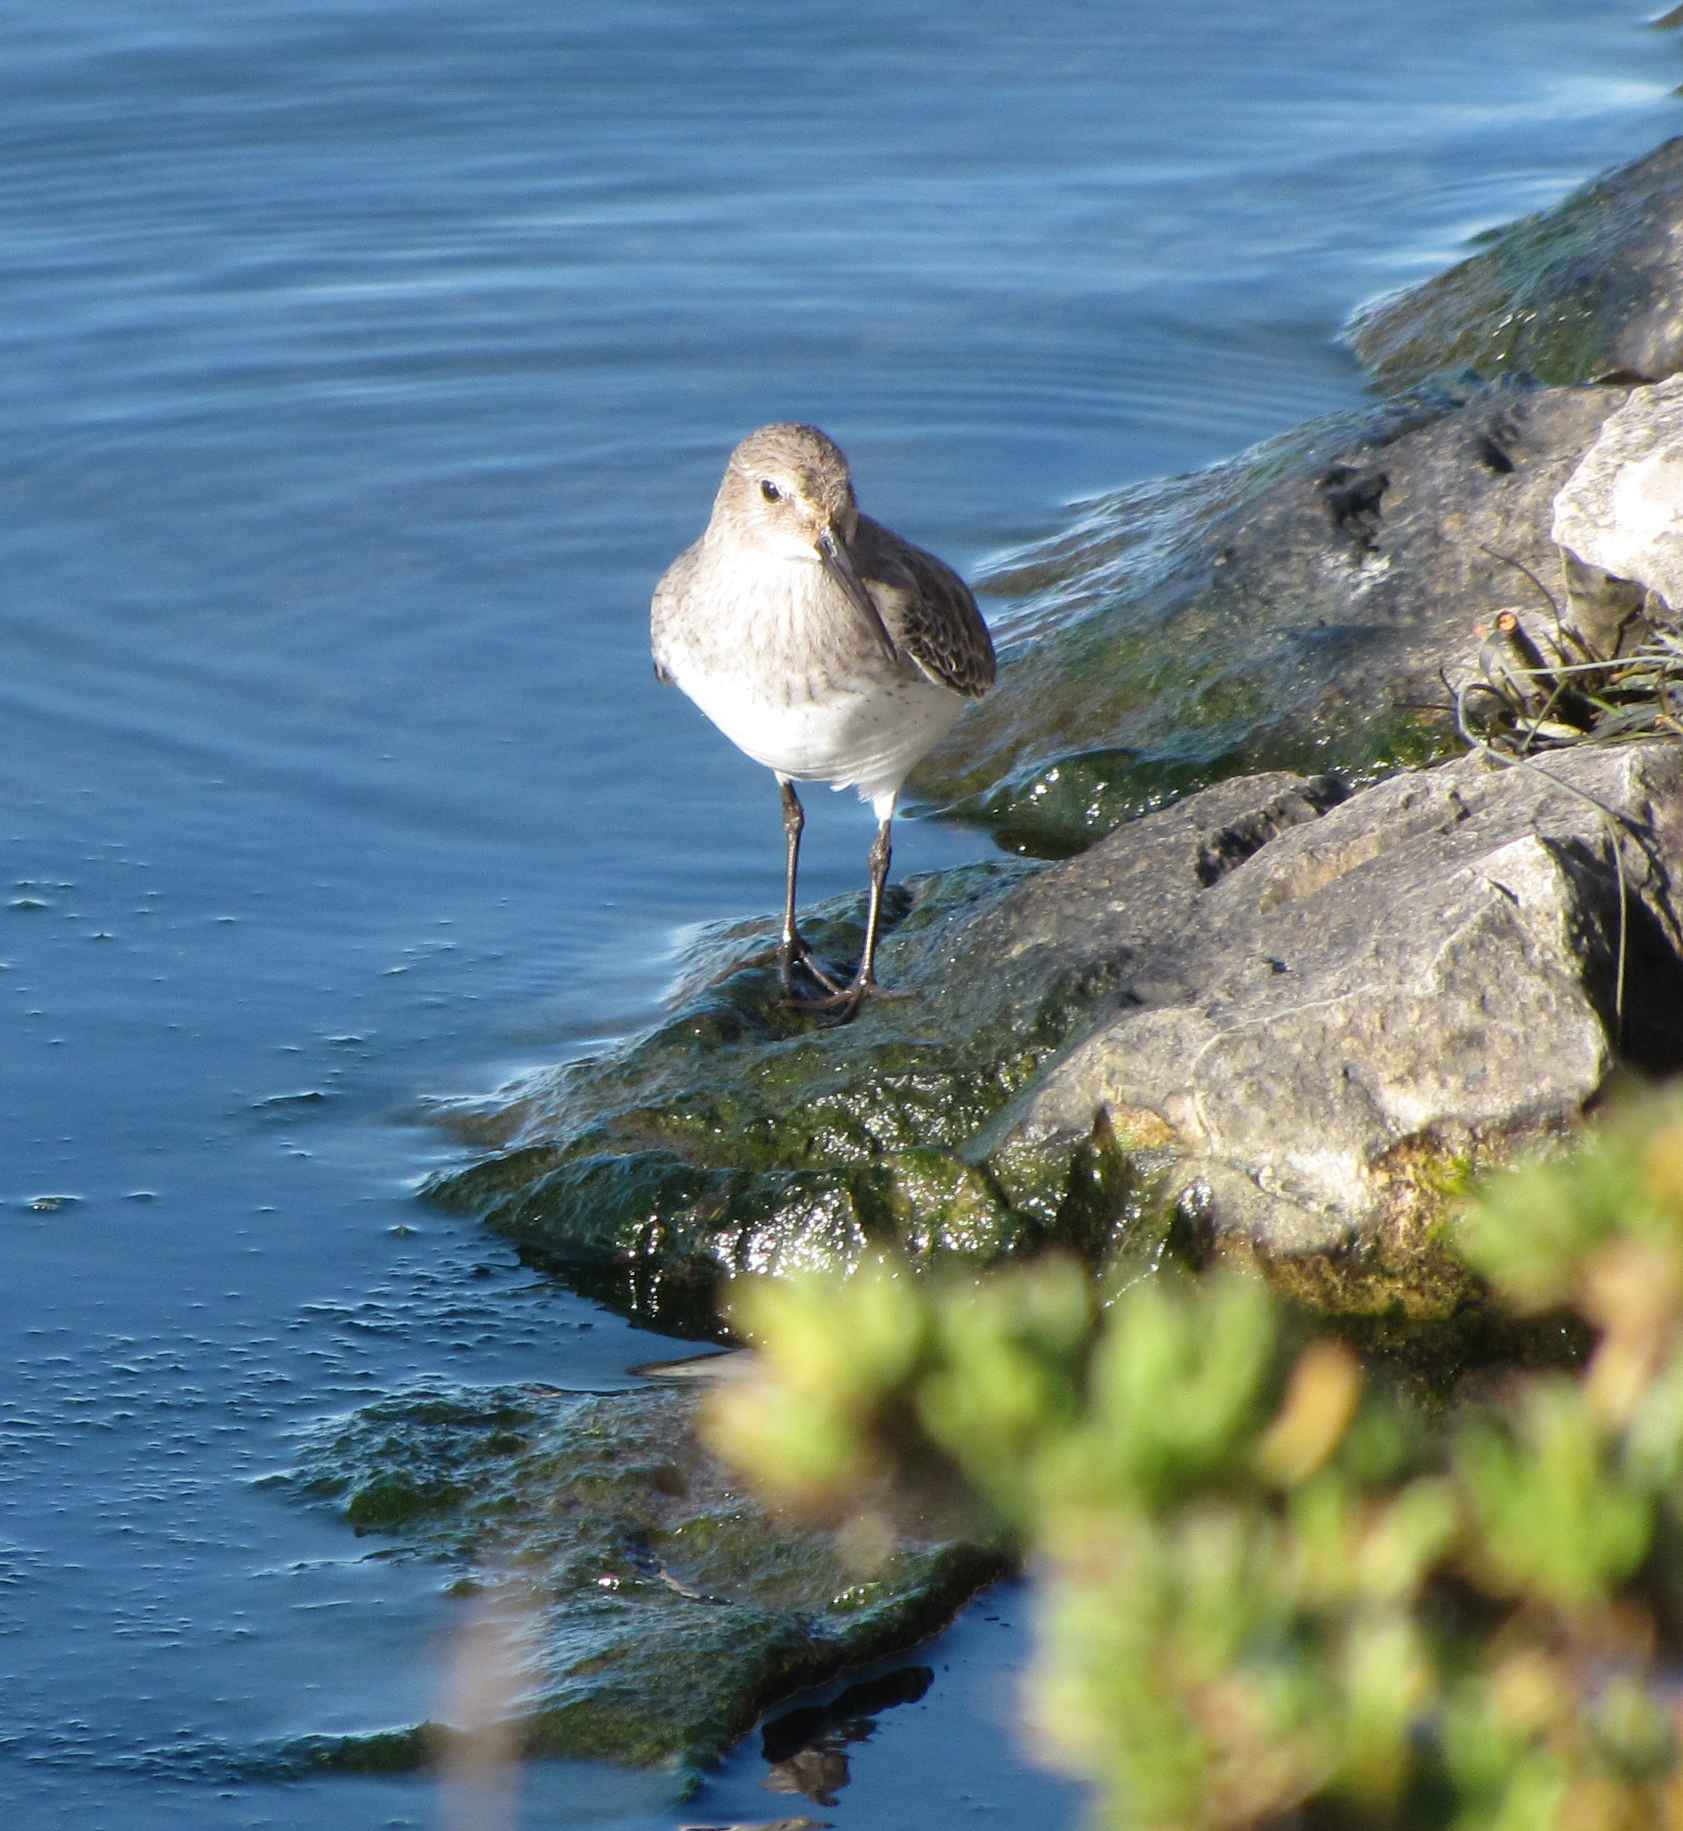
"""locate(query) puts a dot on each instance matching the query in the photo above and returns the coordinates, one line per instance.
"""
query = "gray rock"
(1586, 291)
(1289, 1011)
(1620, 513)
(1424, 971)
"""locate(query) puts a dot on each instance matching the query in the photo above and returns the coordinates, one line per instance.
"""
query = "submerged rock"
(1585, 291)
(622, 1599)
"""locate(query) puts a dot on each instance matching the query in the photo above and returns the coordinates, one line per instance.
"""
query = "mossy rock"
(1584, 291)
(1239, 619)
(785, 1142)
(647, 1611)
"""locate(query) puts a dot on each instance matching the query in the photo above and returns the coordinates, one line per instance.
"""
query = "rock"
(1290, 609)
(1620, 513)
(1585, 291)
(1288, 1011)
(740, 1137)
(642, 1610)
(1423, 973)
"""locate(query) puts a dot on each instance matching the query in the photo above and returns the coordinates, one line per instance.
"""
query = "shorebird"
(822, 645)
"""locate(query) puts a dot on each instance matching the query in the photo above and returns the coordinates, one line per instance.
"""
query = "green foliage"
(1555, 1519)
(1273, 1591)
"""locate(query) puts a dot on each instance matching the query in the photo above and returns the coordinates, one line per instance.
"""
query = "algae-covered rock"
(1281, 1010)
(742, 1137)
(635, 1605)
(1288, 609)
(1581, 292)
(1275, 1021)
(707, 1150)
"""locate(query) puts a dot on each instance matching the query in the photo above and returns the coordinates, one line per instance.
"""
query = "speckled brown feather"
(927, 607)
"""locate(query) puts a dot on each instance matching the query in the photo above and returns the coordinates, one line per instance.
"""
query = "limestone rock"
(1620, 513)
(1426, 969)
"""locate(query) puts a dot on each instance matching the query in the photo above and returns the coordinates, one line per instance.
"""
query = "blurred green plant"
(1275, 1592)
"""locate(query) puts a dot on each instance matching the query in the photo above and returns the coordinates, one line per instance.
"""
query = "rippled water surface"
(363, 364)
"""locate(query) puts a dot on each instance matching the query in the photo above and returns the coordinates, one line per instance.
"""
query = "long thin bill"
(838, 563)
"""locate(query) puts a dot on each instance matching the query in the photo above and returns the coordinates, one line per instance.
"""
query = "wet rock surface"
(1272, 1011)
(743, 1138)
(1290, 609)
(620, 1596)
(1585, 291)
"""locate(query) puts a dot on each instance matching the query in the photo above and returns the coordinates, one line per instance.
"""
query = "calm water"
(363, 365)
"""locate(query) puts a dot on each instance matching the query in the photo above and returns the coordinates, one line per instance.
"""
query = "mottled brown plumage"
(927, 608)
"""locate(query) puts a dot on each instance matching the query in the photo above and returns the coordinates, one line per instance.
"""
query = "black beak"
(834, 557)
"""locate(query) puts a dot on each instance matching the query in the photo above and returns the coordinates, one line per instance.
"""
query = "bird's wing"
(928, 609)
(668, 600)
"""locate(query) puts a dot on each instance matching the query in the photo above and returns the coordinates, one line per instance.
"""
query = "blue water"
(362, 365)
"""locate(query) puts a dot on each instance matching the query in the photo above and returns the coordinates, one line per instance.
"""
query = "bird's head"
(788, 490)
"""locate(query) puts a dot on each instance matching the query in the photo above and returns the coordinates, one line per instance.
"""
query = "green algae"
(1552, 295)
(784, 1143)
(648, 1611)
(1056, 808)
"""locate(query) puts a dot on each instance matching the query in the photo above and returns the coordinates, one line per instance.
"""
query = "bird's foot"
(844, 1002)
(796, 953)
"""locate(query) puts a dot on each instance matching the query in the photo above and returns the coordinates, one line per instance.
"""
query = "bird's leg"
(848, 999)
(792, 949)
(882, 852)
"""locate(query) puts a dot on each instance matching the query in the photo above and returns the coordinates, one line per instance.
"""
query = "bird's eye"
(770, 491)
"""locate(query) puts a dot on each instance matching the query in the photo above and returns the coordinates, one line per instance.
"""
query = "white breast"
(792, 675)
(865, 735)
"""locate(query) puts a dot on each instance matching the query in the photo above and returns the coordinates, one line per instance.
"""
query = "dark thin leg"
(848, 999)
(794, 818)
(882, 853)
(792, 949)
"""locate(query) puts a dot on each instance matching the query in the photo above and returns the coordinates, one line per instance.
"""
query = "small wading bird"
(823, 645)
